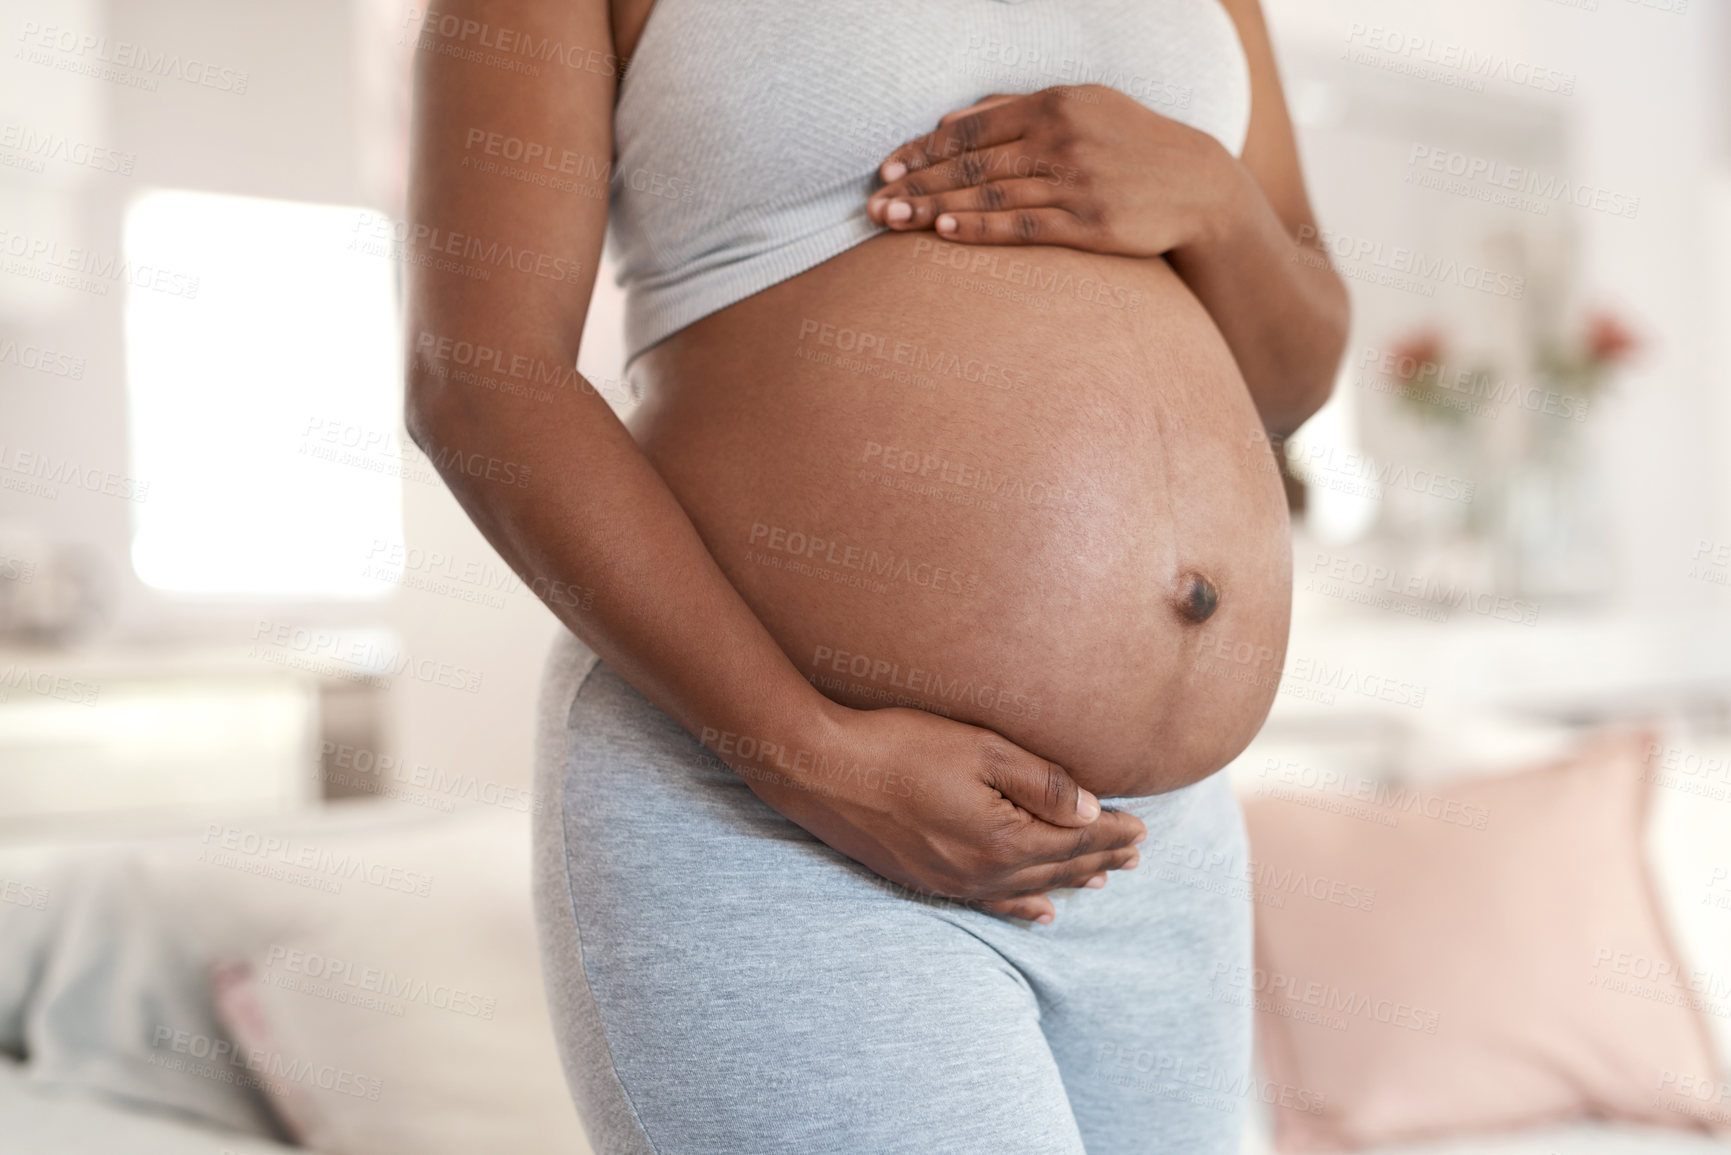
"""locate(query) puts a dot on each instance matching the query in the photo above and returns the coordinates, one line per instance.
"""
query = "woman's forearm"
(1277, 300)
(597, 533)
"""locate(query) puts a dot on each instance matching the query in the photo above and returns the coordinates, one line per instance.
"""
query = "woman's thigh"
(1150, 1034)
(722, 981)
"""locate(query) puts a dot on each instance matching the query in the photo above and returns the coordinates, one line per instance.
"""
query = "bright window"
(262, 360)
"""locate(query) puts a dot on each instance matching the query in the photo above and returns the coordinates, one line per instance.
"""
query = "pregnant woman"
(941, 567)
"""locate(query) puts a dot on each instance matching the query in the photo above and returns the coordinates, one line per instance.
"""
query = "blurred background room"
(267, 698)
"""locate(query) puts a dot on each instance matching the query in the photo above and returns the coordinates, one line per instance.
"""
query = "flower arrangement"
(1534, 518)
(1573, 373)
(1585, 364)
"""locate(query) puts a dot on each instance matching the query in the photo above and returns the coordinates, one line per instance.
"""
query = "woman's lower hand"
(944, 808)
(1083, 167)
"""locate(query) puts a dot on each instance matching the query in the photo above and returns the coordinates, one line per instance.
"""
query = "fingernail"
(1087, 806)
(946, 224)
(1095, 883)
(1133, 863)
(1043, 919)
(1139, 839)
(895, 170)
(898, 212)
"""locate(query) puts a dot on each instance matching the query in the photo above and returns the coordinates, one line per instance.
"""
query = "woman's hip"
(647, 821)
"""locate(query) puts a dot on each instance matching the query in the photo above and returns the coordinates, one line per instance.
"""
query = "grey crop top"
(748, 133)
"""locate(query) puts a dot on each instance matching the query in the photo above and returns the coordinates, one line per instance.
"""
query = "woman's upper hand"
(941, 807)
(1083, 167)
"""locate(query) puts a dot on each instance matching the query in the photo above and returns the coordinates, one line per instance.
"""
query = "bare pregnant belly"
(1024, 488)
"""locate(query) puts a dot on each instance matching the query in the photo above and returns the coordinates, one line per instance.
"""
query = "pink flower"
(1423, 346)
(1609, 340)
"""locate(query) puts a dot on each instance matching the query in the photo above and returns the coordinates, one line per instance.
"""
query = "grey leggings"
(721, 981)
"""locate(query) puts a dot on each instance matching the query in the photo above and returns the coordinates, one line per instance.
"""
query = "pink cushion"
(1475, 957)
(234, 988)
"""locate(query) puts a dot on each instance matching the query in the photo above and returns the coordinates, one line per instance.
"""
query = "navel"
(1197, 597)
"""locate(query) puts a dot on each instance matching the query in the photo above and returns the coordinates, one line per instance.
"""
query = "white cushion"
(405, 1023)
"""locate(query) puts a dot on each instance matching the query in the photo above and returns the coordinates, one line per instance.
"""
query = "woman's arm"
(593, 515)
(1258, 268)
(1088, 167)
(564, 494)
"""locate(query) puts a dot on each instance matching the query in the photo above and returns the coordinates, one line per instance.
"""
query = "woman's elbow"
(435, 416)
(420, 411)
(1310, 389)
